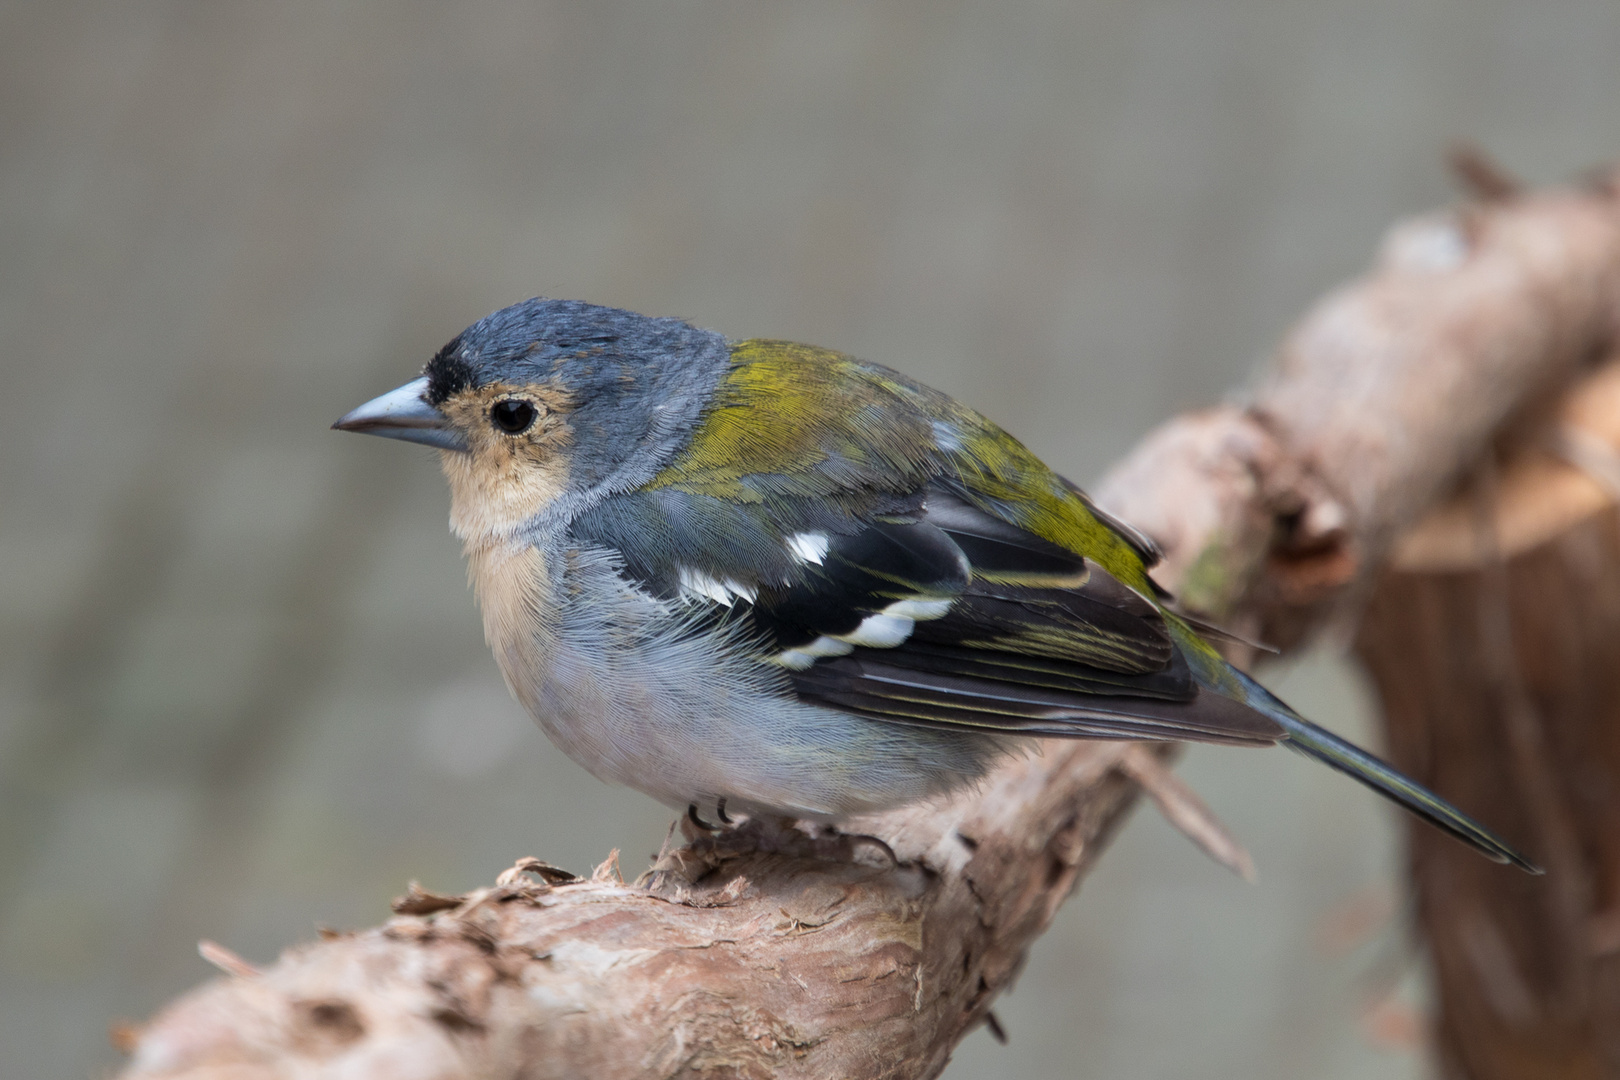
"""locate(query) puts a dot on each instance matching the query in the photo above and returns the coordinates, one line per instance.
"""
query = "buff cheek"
(504, 480)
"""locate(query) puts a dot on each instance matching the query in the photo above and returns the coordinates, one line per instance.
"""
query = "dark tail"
(1328, 748)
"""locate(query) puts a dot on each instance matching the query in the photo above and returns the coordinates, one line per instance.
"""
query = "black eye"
(512, 416)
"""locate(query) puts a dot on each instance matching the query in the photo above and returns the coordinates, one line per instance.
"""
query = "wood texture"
(763, 953)
(771, 952)
(1273, 513)
(1494, 642)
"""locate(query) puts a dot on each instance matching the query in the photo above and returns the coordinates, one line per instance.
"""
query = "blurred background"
(243, 688)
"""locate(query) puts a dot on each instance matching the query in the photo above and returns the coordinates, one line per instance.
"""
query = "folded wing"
(938, 613)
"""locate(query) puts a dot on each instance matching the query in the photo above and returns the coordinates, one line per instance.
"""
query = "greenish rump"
(767, 578)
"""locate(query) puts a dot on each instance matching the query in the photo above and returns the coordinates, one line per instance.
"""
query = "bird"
(767, 578)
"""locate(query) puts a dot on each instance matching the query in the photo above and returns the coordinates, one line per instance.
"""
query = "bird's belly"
(625, 686)
(693, 732)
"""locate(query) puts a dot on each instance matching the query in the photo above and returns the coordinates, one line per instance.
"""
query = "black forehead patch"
(447, 373)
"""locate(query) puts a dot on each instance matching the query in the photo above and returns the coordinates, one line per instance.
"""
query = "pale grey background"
(234, 645)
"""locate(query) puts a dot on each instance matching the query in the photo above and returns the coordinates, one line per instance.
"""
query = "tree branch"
(769, 951)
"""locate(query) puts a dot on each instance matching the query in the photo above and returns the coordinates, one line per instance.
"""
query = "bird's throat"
(513, 586)
(495, 490)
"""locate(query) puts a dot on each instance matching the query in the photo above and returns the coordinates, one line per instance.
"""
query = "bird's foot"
(695, 826)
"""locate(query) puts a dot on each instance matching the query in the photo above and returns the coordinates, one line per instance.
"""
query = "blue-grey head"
(547, 405)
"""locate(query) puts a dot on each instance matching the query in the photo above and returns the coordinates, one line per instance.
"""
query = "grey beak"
(404, 414)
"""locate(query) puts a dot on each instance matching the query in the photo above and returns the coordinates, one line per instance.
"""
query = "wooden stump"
(1494, 641)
